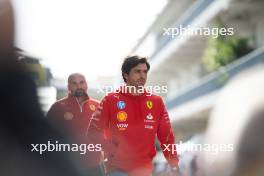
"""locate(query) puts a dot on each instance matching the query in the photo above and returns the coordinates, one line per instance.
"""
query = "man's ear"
(125, 76)
(68, 88)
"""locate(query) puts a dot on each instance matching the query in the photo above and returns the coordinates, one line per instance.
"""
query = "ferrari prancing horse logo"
(92, 107)
(149, 104)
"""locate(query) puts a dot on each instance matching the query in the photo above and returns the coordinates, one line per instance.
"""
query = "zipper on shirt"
(138, 108)
(81, 105)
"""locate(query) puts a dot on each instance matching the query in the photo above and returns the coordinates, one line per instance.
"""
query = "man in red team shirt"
(129, 120)
(73, 113)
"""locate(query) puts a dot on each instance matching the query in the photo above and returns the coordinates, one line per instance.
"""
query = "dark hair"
(132, 61)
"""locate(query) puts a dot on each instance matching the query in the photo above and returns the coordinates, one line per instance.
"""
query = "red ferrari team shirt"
(74, 119)
(73, 115)
(130, 124)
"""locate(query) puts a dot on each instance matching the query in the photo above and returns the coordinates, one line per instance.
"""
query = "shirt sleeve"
(166, 137)
(56, 118)
(98, 125)
(52, 112)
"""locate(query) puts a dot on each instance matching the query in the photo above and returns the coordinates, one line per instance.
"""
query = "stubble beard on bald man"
(79, 93)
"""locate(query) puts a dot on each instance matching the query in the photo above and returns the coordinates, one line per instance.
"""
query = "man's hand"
(175, 171)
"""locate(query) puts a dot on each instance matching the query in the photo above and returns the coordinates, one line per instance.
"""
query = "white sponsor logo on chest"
(149, 118)
(122, 126)
(149, 127)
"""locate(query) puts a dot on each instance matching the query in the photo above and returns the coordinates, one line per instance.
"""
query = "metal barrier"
(218, 79)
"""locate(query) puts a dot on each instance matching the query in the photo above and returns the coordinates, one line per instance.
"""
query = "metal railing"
(195, 10)
(218, 79)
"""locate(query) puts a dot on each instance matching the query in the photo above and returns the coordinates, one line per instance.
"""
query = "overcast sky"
(88, 36)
